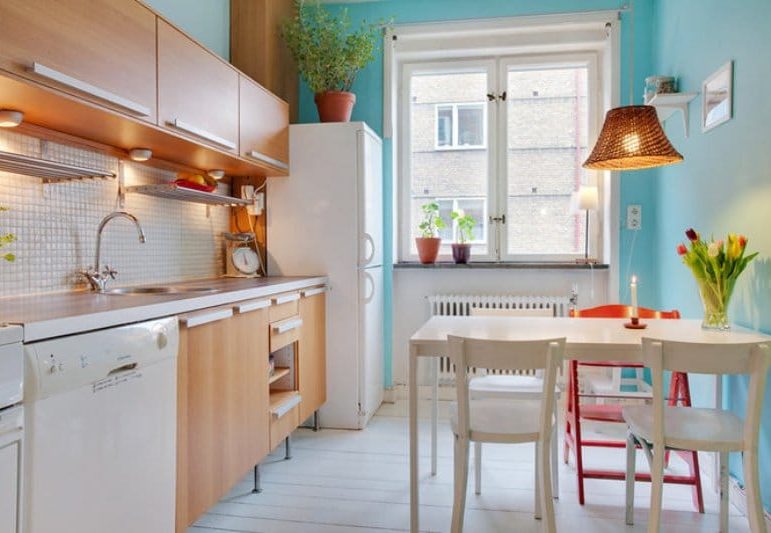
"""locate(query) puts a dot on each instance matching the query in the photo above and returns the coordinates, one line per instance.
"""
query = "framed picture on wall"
(717, 97)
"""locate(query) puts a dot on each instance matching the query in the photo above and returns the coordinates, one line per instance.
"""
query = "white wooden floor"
(357, 481)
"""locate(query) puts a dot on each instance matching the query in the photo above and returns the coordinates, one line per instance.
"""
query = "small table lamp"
(586, 198)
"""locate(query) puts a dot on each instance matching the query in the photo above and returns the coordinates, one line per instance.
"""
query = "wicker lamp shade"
(631, 139)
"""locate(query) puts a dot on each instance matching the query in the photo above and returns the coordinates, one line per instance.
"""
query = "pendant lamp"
(631, 137)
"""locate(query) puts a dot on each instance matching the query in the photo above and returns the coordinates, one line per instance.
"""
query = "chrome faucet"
(98, 280)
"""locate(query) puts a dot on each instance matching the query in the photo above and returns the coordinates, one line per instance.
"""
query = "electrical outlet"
(634, 217)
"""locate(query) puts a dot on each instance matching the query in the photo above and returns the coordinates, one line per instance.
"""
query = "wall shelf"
(49, 171)
(172, 191)
(667, 103)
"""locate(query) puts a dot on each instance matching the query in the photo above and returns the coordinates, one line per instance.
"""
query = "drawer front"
(284, 332)
(281, 427)
(284, 306)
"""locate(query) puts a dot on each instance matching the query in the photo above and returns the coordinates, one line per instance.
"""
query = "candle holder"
(634, 323)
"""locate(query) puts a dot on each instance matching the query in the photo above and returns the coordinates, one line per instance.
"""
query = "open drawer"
(284, 415)
(284, 332)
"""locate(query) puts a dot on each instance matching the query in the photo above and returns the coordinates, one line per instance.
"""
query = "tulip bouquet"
(716, 265)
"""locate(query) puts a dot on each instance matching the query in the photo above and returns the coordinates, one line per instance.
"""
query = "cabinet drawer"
(264, 126)
(197, 92)
(284, 332)
(281, 426)
(284, 306)
(100, 51)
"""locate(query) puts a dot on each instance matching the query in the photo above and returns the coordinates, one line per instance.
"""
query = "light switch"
(634, 217)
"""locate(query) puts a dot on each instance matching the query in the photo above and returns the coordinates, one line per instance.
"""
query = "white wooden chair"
(658, 427)
(504, 420)
(526, 385)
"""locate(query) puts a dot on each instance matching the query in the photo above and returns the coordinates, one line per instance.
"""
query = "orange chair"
(679, 394)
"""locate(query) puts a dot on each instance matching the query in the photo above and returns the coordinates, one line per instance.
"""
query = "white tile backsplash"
(55, 225)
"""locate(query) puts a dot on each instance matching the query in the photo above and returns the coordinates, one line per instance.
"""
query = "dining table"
(586, 339)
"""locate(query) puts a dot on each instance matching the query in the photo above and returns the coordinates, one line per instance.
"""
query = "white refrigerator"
(327, 218)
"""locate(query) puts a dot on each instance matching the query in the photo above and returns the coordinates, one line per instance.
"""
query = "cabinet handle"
(80, 85)
(200, 319)
(287, 325)
(259, 156)
(307, 293)
(252, 306)
(203, 134)
(286, 298)
(287, 406)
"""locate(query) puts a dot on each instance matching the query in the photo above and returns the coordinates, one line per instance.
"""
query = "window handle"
(501, 219)
(491, 97)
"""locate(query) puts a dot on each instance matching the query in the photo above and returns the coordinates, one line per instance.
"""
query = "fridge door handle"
(369, 240)
(369, 283)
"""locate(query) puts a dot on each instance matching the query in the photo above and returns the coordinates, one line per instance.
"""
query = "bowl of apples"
(198, 182)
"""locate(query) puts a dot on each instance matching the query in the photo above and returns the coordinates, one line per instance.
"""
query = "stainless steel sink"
(160, 290)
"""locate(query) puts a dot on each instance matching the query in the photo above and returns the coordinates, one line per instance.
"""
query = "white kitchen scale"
(242, 257)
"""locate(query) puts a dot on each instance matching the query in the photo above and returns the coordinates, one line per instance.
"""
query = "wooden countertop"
(50, 315)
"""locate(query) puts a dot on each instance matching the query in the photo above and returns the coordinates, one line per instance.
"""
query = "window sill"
(521, 265)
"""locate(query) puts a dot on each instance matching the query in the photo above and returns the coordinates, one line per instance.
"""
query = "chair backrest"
(481, 311)
(741, 358)
(622, 311)
(542, 354)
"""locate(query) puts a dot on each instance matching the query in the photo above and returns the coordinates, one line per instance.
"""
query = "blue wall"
(635, 187)
(206, 20)
(724, 184)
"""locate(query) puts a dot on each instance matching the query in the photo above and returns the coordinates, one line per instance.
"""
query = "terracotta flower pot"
(428, 249)
(461, 253)
(335, 106)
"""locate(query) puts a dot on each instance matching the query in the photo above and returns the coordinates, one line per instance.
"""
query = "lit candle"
(633, 289)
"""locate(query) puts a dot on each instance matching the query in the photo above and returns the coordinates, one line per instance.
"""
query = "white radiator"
(464, 304)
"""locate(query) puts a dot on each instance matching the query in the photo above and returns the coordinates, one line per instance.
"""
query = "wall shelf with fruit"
(175, 191)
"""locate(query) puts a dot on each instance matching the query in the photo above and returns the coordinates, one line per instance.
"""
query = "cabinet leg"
(316, 426)
(257, 485)
(287, 449)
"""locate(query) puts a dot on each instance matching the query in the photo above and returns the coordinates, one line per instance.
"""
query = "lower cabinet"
(312, 351)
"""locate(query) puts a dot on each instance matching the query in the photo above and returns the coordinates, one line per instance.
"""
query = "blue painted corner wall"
(206, 20)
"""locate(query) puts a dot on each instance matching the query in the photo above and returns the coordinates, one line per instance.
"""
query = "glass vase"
(715, 297)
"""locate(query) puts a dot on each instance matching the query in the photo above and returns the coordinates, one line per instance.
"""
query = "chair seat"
(511, 385)
(501, 420)
(689, 428)
(602, 412)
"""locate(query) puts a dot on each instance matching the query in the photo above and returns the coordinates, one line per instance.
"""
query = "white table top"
(586, 338)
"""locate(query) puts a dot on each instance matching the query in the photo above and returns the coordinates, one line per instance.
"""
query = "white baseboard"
(389, 395)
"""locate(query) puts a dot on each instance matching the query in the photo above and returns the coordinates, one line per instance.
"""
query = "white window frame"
(456, 127)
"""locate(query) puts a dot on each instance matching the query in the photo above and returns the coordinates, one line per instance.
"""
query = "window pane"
(438, 171)
(471, 125)
(547, 142)
(476, 208)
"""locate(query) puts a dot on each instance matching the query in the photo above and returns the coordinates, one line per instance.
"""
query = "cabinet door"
(197, 91)
(264, 126)
(100, 50)
(312, 356)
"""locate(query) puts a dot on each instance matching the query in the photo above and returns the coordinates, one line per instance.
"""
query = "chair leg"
(460, 484)
(537, 471)
(657, 488)
(547, 502)
(752, 490)
(630, 472)
(553, 457)
(434, 411)
(723, 492)
(477, 468)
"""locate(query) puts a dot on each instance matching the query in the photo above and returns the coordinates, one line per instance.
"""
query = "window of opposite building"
(460, 126)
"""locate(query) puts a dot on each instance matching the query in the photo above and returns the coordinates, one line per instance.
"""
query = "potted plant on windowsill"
(329, 56)
(461, 250)
(428, 243)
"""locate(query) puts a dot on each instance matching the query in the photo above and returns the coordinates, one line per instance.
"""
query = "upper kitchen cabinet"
(264, 131)
(103, 52)
(197, 91)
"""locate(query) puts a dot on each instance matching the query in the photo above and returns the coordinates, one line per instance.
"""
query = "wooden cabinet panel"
(312, 356)
(197, 91)
(284, 306)
(100, 50)
(264, 125)
(281, 427)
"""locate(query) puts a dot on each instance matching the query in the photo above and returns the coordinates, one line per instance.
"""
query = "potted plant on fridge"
(428, 243)
(461, 250)
(329, 55)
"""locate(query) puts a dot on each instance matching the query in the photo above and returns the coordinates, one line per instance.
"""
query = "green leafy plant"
(466, 224)
(327, 53)
(5, 240)
(432, 222)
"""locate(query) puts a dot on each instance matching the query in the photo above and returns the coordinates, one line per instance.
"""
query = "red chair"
(679, 394)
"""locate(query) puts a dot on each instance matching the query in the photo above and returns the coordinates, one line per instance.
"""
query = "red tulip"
(692, 235)
(681, 249)
(742, 241)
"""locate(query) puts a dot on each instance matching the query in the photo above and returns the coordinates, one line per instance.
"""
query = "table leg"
(434, 410)
(718, 405)
(413, 421)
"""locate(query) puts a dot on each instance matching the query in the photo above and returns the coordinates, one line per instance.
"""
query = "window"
(460, 126)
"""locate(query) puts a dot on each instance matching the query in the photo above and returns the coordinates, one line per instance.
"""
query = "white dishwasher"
(100, 431)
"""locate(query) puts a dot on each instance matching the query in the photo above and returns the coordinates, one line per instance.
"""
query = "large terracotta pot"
(428, 249)
(461, 253)
(335, 106)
